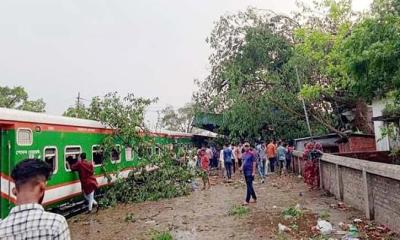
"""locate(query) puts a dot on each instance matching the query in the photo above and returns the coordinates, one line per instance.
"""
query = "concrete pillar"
(321, 183)
(368, 195)
(339, 183)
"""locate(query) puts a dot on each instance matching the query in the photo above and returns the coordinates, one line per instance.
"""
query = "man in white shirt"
(28, 220)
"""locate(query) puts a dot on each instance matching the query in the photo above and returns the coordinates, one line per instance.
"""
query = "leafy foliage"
(17, 98)
(343, 59)
(371, 52)
(169, 180)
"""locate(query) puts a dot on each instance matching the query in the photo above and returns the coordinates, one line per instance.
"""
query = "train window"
(158, 151)
(24, 137)
(71, 155)
(128, 154)
(97, 155)
(116, 154)
(141, 152)
(50, 157)
(149, 152)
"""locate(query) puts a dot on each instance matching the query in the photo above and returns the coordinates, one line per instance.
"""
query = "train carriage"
(53, 139)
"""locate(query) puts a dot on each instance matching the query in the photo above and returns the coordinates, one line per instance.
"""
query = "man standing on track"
(88, 180)
(28, 220)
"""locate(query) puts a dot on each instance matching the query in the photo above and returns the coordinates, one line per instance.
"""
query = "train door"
(5, 148)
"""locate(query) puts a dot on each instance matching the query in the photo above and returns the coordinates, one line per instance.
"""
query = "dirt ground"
(205, 214)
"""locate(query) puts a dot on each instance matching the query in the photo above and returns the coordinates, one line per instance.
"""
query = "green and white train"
(54, 138)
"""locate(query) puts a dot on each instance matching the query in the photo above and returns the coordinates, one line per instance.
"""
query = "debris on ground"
(324, 227)
(206, 213)
(282, 228)
(357, 220)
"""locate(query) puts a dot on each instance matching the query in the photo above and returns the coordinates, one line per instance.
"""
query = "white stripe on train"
(60, 192)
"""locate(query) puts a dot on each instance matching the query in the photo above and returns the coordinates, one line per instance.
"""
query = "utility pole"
(78, 99)
(78, 104)
(304, 107)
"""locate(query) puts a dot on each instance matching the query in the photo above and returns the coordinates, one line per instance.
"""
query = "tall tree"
(180, 119)
(17, 98)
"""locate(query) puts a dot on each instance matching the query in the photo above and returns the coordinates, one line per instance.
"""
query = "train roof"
(13, 115)
(34, 117)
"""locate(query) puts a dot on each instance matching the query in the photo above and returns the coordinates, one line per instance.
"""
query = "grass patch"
(162, 236)
(130, 217)
(292, 212)
(239, 211)
(324, 215)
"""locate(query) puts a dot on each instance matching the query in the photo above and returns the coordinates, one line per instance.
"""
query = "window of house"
(97, 155)
(116, 154)
(71, 155)
(128, 154)
(24, 137)
(50, 157)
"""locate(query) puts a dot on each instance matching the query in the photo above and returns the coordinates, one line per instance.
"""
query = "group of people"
(28, 219)
(248, 159)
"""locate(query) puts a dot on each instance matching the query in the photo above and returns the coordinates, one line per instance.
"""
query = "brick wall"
(368, 186)
(359, 144)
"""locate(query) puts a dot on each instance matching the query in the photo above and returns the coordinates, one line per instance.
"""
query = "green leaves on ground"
(171, 179)
(292, 212)
(162, 236)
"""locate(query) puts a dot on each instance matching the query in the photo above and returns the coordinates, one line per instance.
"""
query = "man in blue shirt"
(228, 160)
(249, 171)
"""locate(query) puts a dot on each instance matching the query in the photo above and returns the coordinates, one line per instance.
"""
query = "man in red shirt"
(88, 180)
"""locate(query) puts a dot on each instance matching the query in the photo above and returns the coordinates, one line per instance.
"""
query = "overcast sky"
(153, 48)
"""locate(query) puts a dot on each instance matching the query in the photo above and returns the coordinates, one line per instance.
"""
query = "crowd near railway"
(33, 177)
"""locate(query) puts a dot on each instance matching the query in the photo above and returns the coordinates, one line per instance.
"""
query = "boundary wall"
(371, 187)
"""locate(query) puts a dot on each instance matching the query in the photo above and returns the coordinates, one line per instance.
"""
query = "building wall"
(382, 144)
(360, 144)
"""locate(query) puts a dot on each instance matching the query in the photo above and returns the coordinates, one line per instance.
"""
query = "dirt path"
(204, 214)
